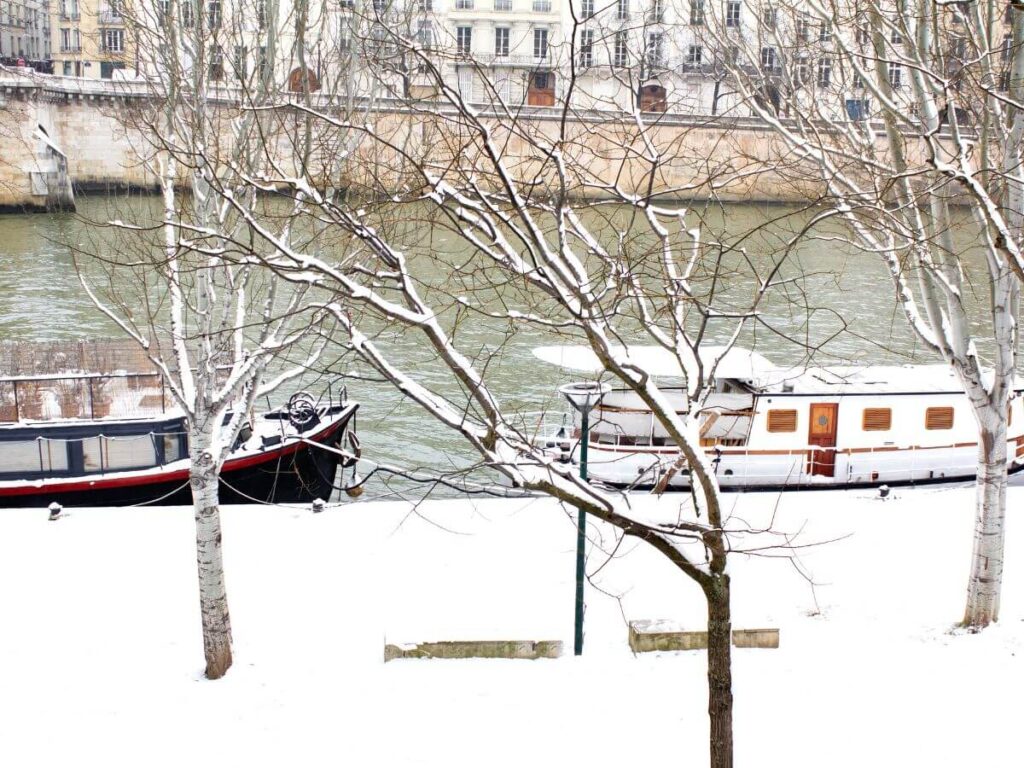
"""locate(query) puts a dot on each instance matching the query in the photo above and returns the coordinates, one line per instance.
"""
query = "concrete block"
(660, 635)
(755, 638)
(475, 649)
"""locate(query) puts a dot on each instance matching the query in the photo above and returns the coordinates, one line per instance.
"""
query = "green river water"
(852, 297)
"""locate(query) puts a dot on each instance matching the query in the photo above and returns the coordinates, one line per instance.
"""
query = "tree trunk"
(986, 577)
(716, 592)
(213, 599)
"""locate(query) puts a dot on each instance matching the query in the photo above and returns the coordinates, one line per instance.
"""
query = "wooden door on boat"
(822, 432)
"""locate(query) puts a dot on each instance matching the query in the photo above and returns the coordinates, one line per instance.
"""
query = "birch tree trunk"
(985, 581)
(213, 599)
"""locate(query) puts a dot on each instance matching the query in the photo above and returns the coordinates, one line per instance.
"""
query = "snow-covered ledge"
(661, 635)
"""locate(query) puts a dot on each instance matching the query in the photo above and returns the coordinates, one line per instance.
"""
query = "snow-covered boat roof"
(874, 379)
(733, 363)
(763, 375)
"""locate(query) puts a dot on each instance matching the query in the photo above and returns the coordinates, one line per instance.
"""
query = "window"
(262, 65)
(694, 56)
(877, 420)
(732, 13)
(213, 14)
(587, 9)
(466, 83)
(803, 30)
(863, 33)
(540, 43)
(464, 5)
(241, 62)
(768, 17)
(112, 40)
(501, 41)
(186, 13)
(769, 62)
(803, 70)
(621, 51)
(858, 80)
(503, 5)
(958, 48)
(858, 109)
(216, 63)
(261, 13)
(896, 38)
(622, 9)
(33, 456)
(697, 13)
(463, 40)
(825, 73)
(895, 74)
(425, 34)
(1004, 80)
(586, 48)
(655, 49)
(938, 418)
(781, 421)
(825, 32)
(65, 39)
(542, 6)
(657, 11)
(1007, 48)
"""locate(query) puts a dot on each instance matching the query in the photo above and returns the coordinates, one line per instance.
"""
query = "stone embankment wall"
(728, 158)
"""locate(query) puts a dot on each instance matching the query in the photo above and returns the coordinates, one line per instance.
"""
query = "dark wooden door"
(822, 432)
(541, 89)
(653, 98)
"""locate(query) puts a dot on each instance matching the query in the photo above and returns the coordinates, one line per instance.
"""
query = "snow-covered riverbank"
(101, 655)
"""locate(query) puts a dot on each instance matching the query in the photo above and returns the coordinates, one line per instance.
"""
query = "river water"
(838, 296)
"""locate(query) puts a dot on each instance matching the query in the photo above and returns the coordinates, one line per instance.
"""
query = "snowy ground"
(100, 653)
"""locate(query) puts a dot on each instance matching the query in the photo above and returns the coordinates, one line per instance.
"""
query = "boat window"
(172, 447)
(938, 418)
(877, 419)
(33, 456)
(782, 421)
(114, 453)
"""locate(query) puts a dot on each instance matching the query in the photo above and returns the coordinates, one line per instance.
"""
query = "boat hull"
(739, 470)
(292, 472)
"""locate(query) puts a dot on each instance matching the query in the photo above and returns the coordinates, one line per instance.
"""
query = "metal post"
(581, 537)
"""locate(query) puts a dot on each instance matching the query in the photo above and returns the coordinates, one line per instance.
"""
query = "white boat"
(769, 427)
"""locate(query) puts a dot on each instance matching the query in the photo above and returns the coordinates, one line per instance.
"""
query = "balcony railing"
(70, 15)
(513, 60)
(111, 17)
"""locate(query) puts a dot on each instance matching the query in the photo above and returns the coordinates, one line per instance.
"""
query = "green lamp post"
(583, 396)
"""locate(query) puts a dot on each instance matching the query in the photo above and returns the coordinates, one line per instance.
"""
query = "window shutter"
(938, 418)
(877, 419)
(782, 421)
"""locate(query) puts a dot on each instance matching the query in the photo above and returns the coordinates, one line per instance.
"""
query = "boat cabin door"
(822, 432)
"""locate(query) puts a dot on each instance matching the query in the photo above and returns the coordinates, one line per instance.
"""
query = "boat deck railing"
(82, 396)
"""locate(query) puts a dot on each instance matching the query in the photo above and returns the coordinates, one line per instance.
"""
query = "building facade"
(24, 31)
(90, 38)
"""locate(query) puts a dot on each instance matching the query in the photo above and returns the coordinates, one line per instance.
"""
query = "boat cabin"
(767, 426)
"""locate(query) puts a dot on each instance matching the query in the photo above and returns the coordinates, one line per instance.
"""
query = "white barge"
(768, 427)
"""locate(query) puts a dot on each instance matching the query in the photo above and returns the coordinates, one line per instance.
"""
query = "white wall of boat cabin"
(907, 426)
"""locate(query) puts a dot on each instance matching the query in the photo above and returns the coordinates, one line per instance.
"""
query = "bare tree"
(567, 252)
(217, 328)
(908, 115)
